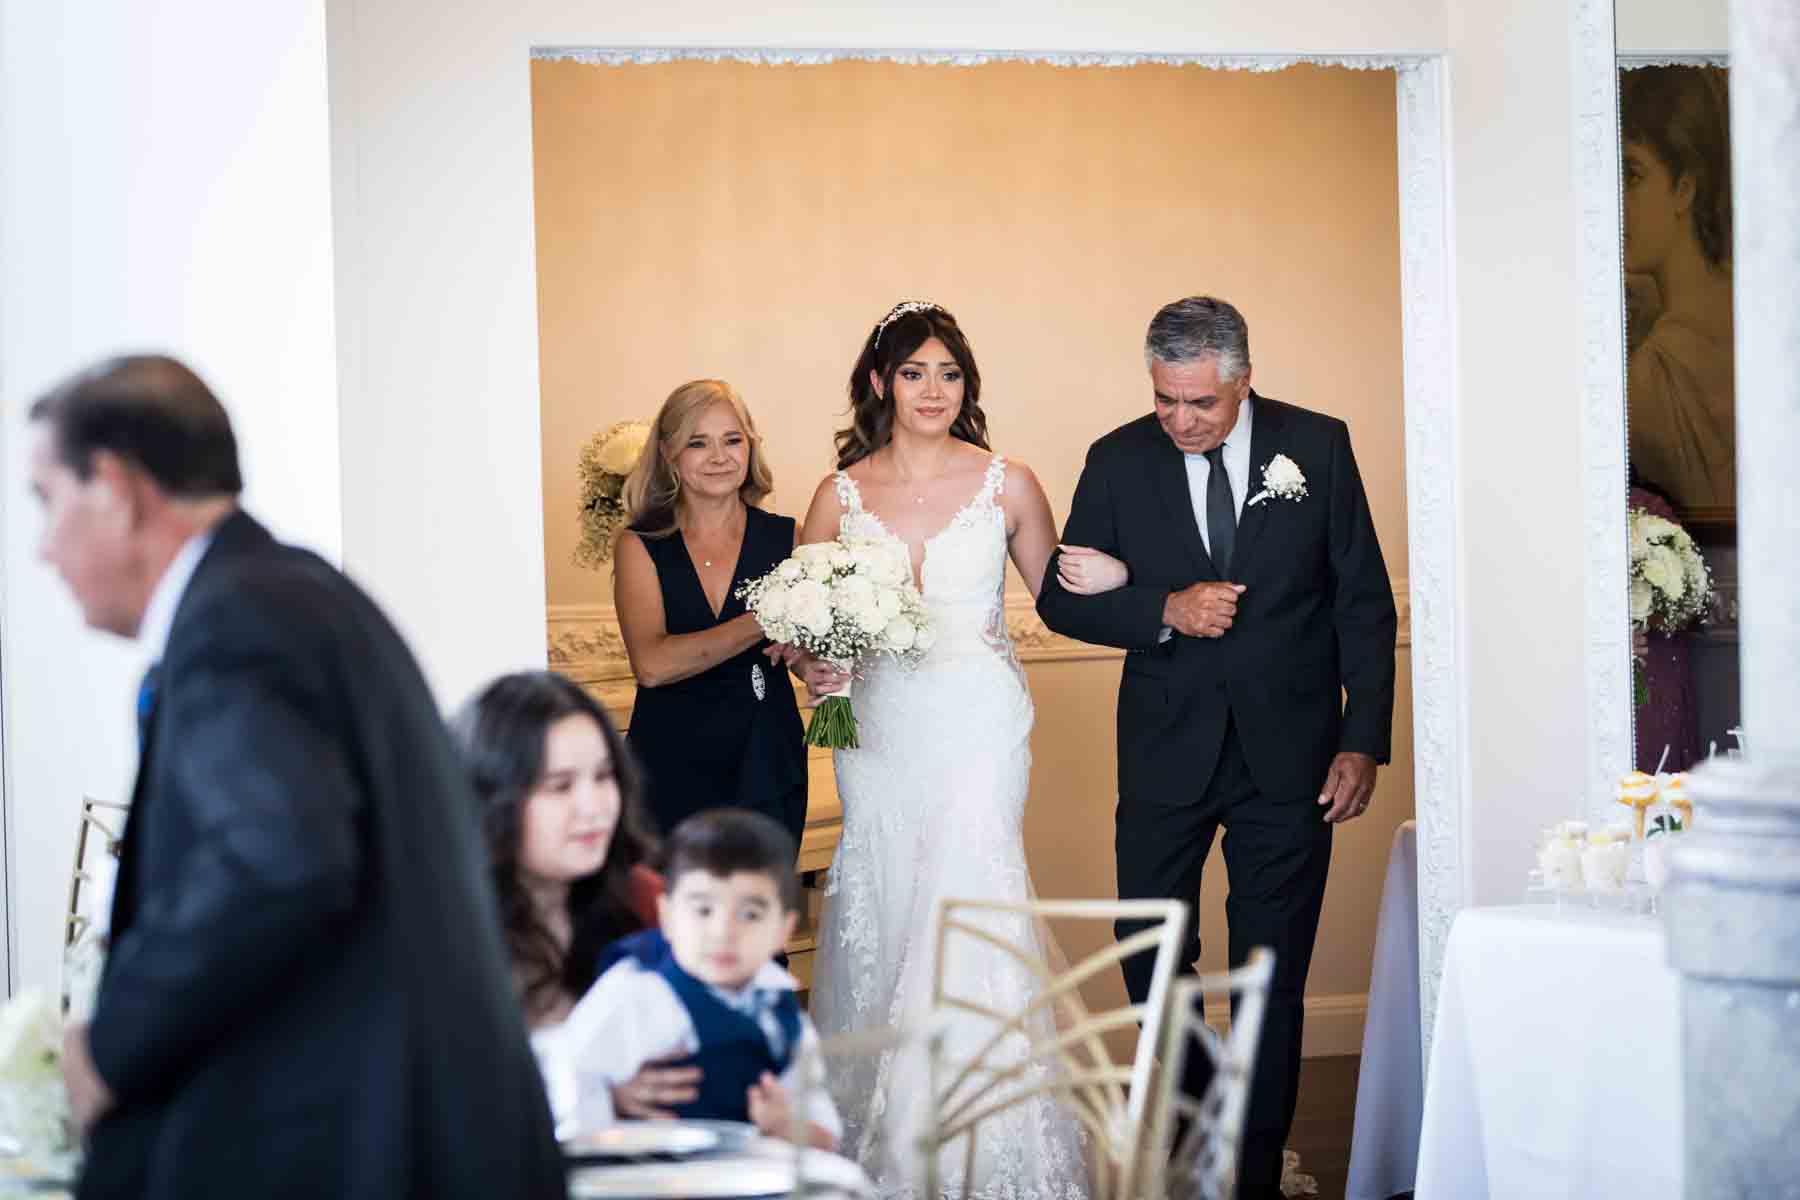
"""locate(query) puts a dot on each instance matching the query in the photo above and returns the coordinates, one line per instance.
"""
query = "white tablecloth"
(1555, 1062)
(765, 1167)
(1390, 1089)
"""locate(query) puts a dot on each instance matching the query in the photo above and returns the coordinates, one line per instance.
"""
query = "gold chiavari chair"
(107, 828)
(1053, 1047)
(1208, 1132)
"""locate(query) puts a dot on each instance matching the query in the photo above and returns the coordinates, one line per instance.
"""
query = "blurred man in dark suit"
(306, 993)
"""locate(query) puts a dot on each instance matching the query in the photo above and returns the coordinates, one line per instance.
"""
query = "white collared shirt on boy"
(630, 1017)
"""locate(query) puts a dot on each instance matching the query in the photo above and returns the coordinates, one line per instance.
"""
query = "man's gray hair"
(1196, 328)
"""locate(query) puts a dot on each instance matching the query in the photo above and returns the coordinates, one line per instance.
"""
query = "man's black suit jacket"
(1316, 616)
(307, 993)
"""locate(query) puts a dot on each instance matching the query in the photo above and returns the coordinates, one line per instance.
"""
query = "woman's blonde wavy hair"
(653, 490)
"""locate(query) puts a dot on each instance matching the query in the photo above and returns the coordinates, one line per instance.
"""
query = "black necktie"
(1221, 512)
(146, 703)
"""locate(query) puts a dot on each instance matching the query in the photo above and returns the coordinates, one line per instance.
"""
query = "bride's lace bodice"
(963, 574)
(934, 803)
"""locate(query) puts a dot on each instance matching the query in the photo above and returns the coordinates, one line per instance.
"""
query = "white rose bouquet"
(1670, 583)
(842, 601)
(34, 1108)
(606, 461)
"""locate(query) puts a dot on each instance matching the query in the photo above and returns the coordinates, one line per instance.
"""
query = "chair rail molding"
(585, 642)
(1431, 598)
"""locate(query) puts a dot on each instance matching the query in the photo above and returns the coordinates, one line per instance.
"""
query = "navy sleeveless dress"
(730, 736)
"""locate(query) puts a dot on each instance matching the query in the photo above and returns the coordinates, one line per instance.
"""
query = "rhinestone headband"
(903, 309)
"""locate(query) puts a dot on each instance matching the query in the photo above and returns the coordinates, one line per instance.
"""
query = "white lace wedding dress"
(934, 801)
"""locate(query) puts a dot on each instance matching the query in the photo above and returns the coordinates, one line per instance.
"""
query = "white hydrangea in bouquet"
(1670, 583)
(34, 1108)
(842, 601)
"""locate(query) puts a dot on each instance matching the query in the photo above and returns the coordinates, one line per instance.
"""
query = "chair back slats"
(1204, 1161)
(1052, 1046)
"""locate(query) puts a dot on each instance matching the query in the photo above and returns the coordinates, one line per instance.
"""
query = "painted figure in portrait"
(1676, 160)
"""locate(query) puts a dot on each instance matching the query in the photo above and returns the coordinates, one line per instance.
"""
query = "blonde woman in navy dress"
(715, 723)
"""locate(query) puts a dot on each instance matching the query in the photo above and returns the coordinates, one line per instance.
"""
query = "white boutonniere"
(1281, 479)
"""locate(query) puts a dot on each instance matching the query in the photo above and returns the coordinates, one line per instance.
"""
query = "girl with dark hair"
(560, 810)
(562, 816)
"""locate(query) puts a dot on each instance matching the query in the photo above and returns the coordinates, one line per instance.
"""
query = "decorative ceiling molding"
(627, 56)
(1631, 62)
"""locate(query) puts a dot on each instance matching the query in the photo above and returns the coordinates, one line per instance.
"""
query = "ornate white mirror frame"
(1600, 267)
(1431, 606)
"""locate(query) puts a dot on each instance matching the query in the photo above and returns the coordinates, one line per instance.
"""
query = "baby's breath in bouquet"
(842, 601)
(606, 461)
(34, 1108)
(1670, 583)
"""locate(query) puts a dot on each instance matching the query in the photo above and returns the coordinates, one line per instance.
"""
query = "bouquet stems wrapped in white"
(1670, 584)
(842, 601)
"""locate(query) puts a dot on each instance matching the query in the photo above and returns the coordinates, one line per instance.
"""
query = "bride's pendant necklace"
(907, 481)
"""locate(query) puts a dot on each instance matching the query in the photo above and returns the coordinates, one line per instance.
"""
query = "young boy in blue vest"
(704, 990)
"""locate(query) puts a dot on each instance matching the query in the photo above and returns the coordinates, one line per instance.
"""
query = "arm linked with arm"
(1130, 617)
(1363, 610)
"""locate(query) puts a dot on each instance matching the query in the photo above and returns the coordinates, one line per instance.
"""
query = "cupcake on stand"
(1637, 791)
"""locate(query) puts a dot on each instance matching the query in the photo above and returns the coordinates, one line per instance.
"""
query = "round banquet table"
(1555, 1061)
(1390, 1087)
(762, 1167)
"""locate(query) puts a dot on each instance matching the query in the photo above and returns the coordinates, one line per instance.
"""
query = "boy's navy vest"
(734, 1052)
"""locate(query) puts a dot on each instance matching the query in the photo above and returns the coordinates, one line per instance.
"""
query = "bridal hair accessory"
(1281, 479)
(903, 309)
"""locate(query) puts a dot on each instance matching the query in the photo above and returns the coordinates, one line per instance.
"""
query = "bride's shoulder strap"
(847, 494)
(994, 482)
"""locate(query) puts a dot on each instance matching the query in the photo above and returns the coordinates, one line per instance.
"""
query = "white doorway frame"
(1434, 567)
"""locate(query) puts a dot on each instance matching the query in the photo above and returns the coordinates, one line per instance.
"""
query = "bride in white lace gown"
(934, 797)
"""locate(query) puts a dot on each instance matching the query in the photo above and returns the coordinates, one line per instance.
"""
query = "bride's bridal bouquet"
(842, 601)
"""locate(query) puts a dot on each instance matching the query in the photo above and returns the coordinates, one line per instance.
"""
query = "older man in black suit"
(1258, 687)
(306, 993)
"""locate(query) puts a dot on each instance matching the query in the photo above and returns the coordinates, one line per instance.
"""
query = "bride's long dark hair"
(907, 326)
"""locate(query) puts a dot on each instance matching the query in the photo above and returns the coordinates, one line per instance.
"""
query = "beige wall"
(165, 184)
(753, 222)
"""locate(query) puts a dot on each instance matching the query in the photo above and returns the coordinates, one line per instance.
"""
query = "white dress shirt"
(1237, 474)
(631, 1016)
(153, 636)
(1237, 471)
(165, 597)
